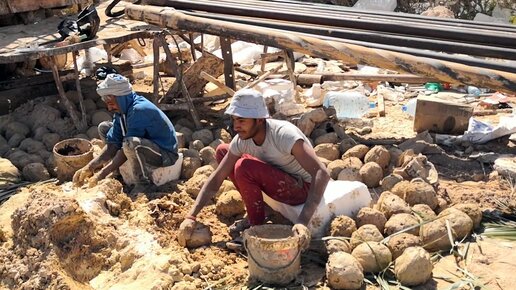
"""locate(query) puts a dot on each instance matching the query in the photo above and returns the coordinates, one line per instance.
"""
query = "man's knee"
(103, 129)
(130, 143)
(221, 151)
(245, 167)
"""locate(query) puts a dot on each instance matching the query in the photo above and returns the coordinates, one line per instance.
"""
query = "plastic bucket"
(273, 253)
(71, 155)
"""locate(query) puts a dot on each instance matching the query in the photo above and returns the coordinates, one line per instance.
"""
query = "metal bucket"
(273, 253)
(71, 155)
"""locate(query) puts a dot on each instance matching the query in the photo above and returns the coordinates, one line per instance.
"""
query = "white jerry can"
(340, 198)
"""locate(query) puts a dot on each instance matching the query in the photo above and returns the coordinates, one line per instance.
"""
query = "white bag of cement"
(282, 91)
(314, 96)
(479, 132)
(486, 18)
(160, 175)
(381, 5)
(340, 198)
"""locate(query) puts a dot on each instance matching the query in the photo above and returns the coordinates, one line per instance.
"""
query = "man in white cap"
(140, 134)
(267, 155)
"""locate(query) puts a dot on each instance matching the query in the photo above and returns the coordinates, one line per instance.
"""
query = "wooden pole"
(155, 69)
(443, 71)
(68, 105)
(79, 90)
(263, 77)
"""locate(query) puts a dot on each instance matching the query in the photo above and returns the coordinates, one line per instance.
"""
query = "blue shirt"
(141, 118)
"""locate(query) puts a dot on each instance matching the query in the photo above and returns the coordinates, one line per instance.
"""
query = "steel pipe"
(472, 36)
(333, 10)
(408, 16)
(395, 41)
(442, 70)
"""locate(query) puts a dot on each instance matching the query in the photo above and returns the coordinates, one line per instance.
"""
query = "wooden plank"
(29, 81)
(441, 116)
(182, 105)
(381, 105)
(17, 6)
(309, 79)
(216, 82)
(209, 63)
(136, 46)
(263, 77)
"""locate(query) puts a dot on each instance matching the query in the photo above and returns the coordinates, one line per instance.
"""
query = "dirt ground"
(62, 237)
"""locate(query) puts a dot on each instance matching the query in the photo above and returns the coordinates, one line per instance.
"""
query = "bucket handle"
(271, 269)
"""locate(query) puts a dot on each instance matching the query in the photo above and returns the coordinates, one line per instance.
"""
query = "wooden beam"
(68, 105)
(309, 79)
(214, 81)
(79, 89)
(182, 105)
(381, 105)
(263, 77)
(213, 65)
(155, 70)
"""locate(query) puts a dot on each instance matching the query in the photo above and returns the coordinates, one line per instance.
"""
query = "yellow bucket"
(273, 253)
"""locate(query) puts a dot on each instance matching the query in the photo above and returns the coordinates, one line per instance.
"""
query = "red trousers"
(251, 176)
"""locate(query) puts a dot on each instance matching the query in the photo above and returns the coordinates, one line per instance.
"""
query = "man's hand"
(185, 231)
(81, 175)
(303, 233)
(94, 180)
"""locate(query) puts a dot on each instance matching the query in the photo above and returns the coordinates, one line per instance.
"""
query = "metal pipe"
(395, 41)
(361, 14)
(506, 40)
(376, 13)
(442, 70)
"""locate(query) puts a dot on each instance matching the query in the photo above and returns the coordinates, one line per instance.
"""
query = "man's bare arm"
(105, 156)
(306, 157)
(212, 184)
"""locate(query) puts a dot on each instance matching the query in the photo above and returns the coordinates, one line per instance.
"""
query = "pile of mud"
(99, 239)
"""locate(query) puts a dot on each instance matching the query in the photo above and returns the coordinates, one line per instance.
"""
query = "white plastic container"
(340, 198)
(348, 105)
(410, 107)
(160, 175)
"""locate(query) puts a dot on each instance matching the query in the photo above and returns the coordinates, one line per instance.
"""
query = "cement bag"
(160, 175)
(340, 198)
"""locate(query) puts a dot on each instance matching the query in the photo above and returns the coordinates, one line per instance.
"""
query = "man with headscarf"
(140, 133)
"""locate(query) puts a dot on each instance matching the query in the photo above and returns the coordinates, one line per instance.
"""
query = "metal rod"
(227, 55)
(442, 70)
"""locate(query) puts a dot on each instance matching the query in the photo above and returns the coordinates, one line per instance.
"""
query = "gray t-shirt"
(276, 150)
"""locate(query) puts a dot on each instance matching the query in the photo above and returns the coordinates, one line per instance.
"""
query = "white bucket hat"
(114, 84)
(248, 103)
